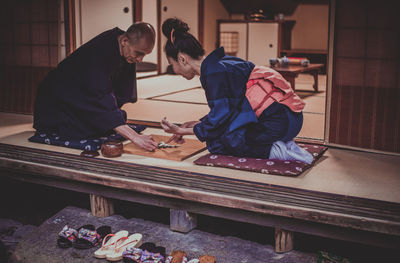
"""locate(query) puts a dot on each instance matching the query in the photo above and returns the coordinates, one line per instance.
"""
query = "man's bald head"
(141, 31)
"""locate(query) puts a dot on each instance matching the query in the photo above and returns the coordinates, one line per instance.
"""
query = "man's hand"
(145, 142)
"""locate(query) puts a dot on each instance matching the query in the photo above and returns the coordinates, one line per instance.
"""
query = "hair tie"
(172, 35)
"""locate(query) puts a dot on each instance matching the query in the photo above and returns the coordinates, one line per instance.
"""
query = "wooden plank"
(182, 152)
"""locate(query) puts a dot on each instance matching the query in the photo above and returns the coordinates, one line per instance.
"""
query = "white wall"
(311, 28)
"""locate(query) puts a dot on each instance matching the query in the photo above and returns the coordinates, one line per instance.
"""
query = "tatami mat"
(313, 126)
(11, 123)
(164, 84)
(154, 111)
(146, 74)
(195, 95)
(345, 172)
(314, 104)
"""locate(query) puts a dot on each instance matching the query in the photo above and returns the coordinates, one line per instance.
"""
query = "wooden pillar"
(182, 221)
(101, 206)
(283, 240)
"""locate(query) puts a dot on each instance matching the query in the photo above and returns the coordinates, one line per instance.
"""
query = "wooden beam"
(101, 206)
(159, 36)
(283, 240)
(69, 24)
(138, 10)
(200, 21)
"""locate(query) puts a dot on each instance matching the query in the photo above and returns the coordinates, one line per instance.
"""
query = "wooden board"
(184, 151)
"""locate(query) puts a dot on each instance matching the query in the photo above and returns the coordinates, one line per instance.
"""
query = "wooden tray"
(184, 151)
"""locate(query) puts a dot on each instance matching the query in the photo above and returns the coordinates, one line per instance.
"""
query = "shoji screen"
(28, 50)
(365, 104)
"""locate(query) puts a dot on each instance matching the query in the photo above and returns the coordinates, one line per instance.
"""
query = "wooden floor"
(347, 195)
(343, 172)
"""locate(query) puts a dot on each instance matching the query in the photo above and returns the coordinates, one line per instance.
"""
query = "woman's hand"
(185, 128)
(169, 127)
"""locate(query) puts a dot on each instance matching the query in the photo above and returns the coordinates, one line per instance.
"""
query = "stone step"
(40, 244)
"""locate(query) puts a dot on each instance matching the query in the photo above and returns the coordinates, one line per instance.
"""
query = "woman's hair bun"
(174, 23)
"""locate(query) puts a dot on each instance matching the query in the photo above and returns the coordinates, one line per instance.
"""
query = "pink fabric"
(265, 86)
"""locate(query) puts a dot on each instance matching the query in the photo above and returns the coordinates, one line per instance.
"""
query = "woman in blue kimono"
(232, 126)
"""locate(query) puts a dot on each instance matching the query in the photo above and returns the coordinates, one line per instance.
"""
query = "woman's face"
(181, 68)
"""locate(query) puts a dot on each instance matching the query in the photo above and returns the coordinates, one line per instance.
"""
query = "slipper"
(147, 253)
(177, 256)
(132, 255)
(89, 237)
(151, 257)
(109, 243)
(151, 247)
(122, 244)
(67, 237)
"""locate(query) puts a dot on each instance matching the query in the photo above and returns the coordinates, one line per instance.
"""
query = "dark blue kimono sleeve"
(222, 107)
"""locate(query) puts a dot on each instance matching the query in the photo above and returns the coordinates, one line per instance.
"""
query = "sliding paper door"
(28, 50)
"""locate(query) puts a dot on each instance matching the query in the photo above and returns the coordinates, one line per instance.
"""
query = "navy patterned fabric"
(91, 144)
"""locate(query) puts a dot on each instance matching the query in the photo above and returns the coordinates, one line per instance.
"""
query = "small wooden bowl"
(112, 149)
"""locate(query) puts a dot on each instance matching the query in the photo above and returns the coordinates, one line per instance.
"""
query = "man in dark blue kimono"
(83, 96)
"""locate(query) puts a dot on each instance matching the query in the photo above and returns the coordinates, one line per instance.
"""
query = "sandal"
(109, 243)
(122, 244)
(146, 253)
(89, 237)
(67, 237)
(132, 255)
(177, 256)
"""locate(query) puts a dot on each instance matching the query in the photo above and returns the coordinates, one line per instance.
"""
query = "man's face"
(135, 52)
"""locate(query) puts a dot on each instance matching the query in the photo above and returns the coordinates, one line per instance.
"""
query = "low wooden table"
(291, 72)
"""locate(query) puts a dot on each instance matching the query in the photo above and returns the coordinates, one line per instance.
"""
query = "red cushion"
(267, 166)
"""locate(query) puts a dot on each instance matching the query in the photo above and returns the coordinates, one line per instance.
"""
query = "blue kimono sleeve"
(223, 107)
